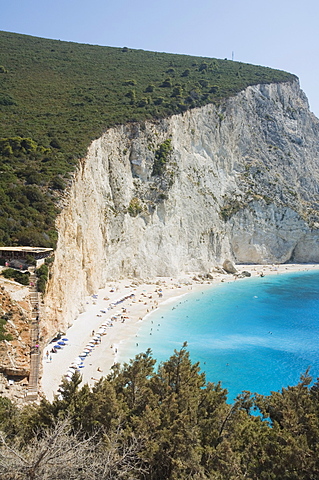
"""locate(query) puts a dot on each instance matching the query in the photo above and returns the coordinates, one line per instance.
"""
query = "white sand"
(147, 299)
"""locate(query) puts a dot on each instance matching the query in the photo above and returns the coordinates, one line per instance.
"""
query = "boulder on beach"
(218, 269)
(229, 267)
(244, 273)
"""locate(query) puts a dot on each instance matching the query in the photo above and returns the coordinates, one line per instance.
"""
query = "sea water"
(256, 334)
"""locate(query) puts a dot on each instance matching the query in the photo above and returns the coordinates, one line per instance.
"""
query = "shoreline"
(127, 317)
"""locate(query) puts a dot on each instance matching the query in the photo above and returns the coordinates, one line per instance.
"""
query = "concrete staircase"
(35, 358)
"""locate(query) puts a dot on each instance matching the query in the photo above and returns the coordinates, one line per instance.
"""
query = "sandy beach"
(116, 312)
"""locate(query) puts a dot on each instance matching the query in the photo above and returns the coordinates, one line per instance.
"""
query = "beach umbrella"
(77, 360)
(81, 366)
(57, 346)
(60, 342)
(65, 339)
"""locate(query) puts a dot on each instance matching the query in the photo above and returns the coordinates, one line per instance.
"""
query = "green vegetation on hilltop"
(166, 424)
(56, 97)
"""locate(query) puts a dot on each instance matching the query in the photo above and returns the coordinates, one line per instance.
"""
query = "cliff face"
(239, 181)
(15, 309)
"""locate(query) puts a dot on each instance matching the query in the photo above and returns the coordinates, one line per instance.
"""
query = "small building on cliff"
(11, 256)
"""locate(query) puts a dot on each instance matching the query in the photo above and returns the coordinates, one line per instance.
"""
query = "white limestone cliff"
(241, 183)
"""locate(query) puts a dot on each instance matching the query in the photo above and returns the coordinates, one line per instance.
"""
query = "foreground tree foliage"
(145, 424)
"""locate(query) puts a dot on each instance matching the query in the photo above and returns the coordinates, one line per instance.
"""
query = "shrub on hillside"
(19, 277)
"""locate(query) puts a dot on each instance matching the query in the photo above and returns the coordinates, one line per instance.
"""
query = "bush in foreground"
(169, 423)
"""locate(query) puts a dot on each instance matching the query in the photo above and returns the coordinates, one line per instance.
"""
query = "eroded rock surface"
(15, 309)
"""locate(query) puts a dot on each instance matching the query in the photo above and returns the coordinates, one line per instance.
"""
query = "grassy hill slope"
(56, 97)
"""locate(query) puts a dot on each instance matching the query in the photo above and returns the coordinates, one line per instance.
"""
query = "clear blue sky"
(281, 34)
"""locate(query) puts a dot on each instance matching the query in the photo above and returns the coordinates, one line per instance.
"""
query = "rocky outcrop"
(229, 267)
(15, 315)
(239, 181)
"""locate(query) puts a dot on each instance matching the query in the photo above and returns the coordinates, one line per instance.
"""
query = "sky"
(280, 34)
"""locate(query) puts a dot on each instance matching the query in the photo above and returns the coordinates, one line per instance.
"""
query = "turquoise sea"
(256, 334)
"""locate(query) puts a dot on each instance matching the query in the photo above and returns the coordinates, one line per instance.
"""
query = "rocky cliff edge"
(237, 181)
